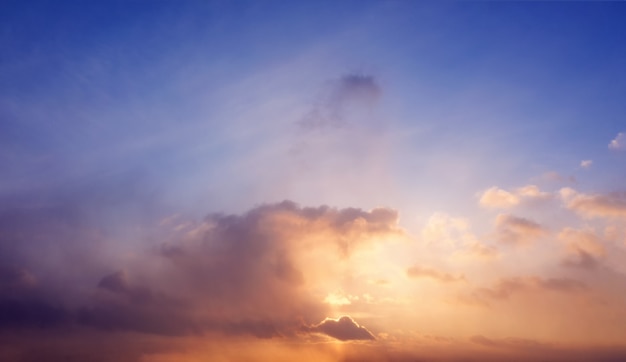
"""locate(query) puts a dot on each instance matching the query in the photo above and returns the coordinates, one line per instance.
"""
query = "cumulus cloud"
(517, 230)
(495, 197)
(619, 142)
(250, 274)
(586, 163)
(612, 205)
(498, 198)
(425, 272)
(532, 192)
(343, 329)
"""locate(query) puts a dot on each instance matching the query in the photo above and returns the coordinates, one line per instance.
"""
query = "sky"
(312, 181)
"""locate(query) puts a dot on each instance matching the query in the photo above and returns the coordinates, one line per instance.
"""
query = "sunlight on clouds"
(595, 205)
(584, 247)
(497, 198)
(453, 236)
(448, 205)
(337, 299)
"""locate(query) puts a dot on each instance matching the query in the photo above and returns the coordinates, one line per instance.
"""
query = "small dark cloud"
(349, 95)
(343, 329)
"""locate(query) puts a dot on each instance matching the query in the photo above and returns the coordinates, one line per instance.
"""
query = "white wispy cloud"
(619, 142)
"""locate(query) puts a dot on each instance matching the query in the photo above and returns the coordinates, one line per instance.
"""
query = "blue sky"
(128, 87)
(480, 125)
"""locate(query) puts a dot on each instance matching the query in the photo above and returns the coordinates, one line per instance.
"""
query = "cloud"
(343, 329)
(513, 343)
(425, 272)
(23, 304)
(443, 228)
(481, 250)
(532, 192)
(553, 176)
(454, 235)
(517, 230)
(498, 198)
(619, 142)
(584, 248)
(506, 287)
(495, 197)
(15, 279)
(586, 163)
(352, 94)
(611, 205)
(337, 299)
(249, 274)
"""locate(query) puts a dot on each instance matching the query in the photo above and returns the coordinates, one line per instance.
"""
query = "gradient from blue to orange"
(471, 154)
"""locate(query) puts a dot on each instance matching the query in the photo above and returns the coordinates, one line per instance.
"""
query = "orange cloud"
(425, 272)
(595, 205)
(584, 248)
(498, 198)
(495, 197)
(506, 287)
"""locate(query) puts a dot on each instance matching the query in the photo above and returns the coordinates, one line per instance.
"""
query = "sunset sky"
(312, 181)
